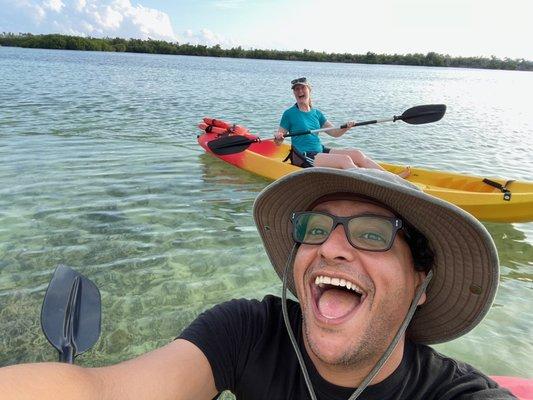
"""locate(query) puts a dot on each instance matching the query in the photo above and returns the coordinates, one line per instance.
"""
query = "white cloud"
(107, 18)
(207, 37)
(12, 10)
(38, 13)
(80, 5)
(87, 17)
(228, 4)
(152, 22)
(54, 5)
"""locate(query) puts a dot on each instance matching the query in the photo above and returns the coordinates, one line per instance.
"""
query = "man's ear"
(420, 278)
(422, 300)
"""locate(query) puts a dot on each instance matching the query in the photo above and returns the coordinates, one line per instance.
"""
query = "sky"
(455, 27)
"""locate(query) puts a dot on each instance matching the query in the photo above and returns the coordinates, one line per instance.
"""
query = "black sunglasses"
(299, 80)
(364, 232)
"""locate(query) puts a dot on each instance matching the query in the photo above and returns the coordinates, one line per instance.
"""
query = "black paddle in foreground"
(71, 313)
(415, 116)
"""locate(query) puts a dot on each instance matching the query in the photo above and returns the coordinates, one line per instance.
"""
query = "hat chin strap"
(289, 263)
(372, 374)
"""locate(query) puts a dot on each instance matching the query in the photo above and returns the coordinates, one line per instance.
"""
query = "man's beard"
(366, 351)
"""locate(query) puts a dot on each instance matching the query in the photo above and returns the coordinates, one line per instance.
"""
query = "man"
(363, 250)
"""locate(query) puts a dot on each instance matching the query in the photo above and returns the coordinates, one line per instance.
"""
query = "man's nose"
(337, 245)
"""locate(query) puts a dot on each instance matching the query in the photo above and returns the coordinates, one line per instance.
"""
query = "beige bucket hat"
(466, 268)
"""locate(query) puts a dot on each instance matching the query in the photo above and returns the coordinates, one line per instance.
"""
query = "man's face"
(352, 326)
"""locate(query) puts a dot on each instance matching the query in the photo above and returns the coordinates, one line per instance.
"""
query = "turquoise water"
(100, 170)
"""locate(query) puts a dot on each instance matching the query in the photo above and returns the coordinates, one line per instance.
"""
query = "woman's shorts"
(305, 159)
(312, 154)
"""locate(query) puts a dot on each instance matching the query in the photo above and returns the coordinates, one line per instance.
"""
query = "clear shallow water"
(100, 170)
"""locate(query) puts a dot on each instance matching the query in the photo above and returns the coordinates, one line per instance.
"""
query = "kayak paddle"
(71, 312)
(415, 116)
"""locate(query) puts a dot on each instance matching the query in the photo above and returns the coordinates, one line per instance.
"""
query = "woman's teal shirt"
(293, 120)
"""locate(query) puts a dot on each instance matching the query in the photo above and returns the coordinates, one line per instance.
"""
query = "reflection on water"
(218, 174)
(514, 249)
(506, 326)
(105, 176)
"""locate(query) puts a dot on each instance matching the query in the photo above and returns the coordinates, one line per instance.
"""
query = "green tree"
(55, 41)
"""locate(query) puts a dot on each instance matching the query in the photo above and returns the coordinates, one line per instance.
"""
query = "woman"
(309, 148)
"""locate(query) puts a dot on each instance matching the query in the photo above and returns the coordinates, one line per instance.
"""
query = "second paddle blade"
(423, 114)
(230, 144)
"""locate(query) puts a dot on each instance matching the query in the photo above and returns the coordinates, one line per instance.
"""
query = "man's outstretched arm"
(176, 371)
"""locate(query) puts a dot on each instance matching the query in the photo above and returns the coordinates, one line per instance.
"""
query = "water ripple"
(100, 170)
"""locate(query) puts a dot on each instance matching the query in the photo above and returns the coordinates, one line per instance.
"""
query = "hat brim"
(466, 267)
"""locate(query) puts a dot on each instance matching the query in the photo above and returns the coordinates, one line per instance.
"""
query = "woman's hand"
(350, 124)
(279, 136)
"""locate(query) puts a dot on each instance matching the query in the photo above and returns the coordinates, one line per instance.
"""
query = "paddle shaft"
(344, 126)
(68, 348)
(414, 116)
(67, 354)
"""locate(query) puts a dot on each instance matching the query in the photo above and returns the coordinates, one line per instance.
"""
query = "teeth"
(321, 280)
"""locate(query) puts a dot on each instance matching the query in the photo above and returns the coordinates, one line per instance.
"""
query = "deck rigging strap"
(299, 159)
(503, 188)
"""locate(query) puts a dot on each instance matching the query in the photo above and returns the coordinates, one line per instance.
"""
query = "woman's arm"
(176, 371)
(337, 132)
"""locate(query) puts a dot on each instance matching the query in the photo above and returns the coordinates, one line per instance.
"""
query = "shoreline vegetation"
(431, 59)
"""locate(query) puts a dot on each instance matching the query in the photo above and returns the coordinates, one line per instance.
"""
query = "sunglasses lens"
(371, 233)
(312, 228)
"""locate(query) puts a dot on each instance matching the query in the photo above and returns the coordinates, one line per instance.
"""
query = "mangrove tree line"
(431, 59)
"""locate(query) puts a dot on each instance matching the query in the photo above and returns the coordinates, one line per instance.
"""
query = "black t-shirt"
(250, 354)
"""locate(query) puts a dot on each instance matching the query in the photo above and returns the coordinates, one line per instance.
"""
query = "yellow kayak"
(495, 200)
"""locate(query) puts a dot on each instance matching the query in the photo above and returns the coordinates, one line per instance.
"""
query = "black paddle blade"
(71, 312)
(230, 144)
(423, 114)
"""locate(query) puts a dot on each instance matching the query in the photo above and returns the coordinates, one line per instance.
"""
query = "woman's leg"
(341, 161)
(359, 158)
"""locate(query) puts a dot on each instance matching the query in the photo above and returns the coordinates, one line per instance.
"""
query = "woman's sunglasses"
(298, 80)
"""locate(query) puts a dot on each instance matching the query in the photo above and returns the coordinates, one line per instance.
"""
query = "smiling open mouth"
(335, 298)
